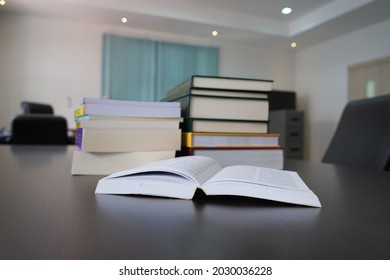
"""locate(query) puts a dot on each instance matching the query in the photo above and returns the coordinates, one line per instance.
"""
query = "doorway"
(369, 79)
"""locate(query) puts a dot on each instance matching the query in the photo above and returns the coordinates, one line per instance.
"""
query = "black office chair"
(36, 108)
(362, 138)
(37, 129)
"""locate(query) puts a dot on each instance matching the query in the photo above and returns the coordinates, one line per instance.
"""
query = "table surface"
(45, 213)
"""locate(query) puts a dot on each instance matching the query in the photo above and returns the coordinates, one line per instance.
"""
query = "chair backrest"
(39, 129)
(362, 137)
(36, 108)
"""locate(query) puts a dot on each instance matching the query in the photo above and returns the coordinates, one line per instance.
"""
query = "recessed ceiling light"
(293, 45)
(286, 10)
(214, 33)
(2, 2)
(124, 19)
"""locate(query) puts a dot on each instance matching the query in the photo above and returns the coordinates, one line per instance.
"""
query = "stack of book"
(227, 119)
(113, 135)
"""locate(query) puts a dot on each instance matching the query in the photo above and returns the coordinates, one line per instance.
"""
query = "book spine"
(185, 105)
(187, 125)
(183, 87)
(80, 111)
(187, 139)
(79, 138)
(83, 117)
(173, 96)
(185, 151)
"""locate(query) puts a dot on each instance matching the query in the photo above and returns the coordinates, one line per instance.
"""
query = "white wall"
(59, 62)
(321, 79)
(259, 63)
(43, 60)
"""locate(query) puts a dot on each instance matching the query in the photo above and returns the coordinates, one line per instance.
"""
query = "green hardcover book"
(176, 93)
(222, 83)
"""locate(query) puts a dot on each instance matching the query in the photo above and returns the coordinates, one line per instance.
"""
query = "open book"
(181, 177)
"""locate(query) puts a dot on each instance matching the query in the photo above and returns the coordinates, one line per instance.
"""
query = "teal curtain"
(178, 62)
(128, 68)
(138, 69)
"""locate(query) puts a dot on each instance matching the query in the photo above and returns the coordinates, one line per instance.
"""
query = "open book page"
(266, 183)
(258, 175)
(178, 178)
(197, 169)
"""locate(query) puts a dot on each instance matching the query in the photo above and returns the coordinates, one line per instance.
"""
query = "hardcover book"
(181, 177)
(130, 123)
(224, 126)
(225, 83)
(124, 108)
(210, 139)
(85, 163)
(174, 93)
(101, 140)
(270, 157)
(148, 104)
(231, 108)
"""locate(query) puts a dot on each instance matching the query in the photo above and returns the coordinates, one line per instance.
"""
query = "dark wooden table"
(45, 213)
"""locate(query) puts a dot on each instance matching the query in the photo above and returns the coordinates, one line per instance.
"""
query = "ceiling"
(245, 21)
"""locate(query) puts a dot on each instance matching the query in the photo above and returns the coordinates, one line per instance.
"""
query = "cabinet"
(290, 125)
